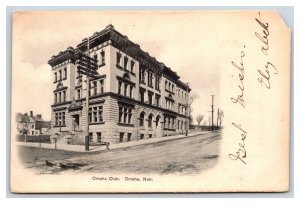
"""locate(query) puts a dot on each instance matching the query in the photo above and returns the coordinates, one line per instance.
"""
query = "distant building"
(134, 96)
(32, 125)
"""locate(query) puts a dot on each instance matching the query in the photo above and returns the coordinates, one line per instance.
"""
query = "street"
(185, 156)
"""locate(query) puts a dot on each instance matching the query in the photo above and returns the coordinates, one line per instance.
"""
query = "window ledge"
(126, 124)
(96, 123)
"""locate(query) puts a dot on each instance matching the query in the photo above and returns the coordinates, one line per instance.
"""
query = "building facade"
(133, 96)
(32, 125)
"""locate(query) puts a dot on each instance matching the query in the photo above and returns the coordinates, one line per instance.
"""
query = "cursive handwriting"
(240, 97)
(264, 39)
(241, 152)
(264, 75)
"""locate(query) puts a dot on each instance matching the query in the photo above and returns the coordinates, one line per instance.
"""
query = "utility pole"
(212, 112)
(88, 67)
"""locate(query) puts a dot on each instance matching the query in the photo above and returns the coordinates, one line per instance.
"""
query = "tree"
(192, 97)
(209, 121)
(220, 117)
(199, 118)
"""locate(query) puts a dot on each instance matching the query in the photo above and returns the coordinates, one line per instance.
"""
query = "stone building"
(133, 97)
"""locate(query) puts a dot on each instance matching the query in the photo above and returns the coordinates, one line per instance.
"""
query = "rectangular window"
(55, 77)
(65, 73)
(142, 136)
(90, 115)
(132, 66)
(121, 136)
(95, 85)
(119, 87)
(150, 98)
(125, 90)
(120, 114)
(95, 118)
(98, 136)
(55, 98)
(63, 118)
(150, 136)
(100, 113)
(125, 62)
(101, 86)
(103, 57)
(59, 97)
(125, 115)
(56, 118)
(91, 137)
(129, 115)
(157, 83)
(64, 94)
(166, 84)
(118, 58)
(142, 95)
(128, 137)
(130, 91)
(150, 84)
(78, 94)
(157, 98)
(60, 75)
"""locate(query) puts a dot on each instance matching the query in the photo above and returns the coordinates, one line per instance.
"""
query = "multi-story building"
(133, 97)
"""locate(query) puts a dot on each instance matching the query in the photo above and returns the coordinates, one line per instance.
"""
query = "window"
(98, 136)
(125, 115)
(125, 90)
(132, 66)
(78, 93)
(150, 121)
(101, 86)
(142, 95)
(60, 118)
(119, 87)
(125, 62)
(150, 136)
(91, 137)
(55, 77)
(65, 73)
(59, 97)
(142, 117)
(130, 91)
(102, 57)
(118, 58)
(129, 115)
(157, 83)
(142, 75)
(95, 57)
(128, 137)
(96, 114)
(55, 98)
(100, 113)
(120, 114)
(150, 98)
(157, 99)
(150, 75)
(121, 136)
(60, 75)
(142, 136)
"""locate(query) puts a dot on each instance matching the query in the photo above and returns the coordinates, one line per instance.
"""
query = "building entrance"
(76, 125)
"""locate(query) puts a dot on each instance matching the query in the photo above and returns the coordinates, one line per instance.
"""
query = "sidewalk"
(81, 148)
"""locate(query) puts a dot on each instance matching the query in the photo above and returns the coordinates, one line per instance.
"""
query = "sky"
(188, 43)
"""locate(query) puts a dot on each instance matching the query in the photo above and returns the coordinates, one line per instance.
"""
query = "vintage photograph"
(148, 97)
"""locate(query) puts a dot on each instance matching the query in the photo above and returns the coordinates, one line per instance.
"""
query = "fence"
(34, 138)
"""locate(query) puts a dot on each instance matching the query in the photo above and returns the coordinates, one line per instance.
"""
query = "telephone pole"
(212, 112)
(88, 67)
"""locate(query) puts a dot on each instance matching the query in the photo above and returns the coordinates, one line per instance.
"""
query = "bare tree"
(209, 121)
(199, 118)
(220, 117)
(192, 97)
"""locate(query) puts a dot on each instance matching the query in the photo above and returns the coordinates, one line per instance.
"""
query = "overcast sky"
(188, 44)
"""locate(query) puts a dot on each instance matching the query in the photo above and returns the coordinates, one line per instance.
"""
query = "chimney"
(31, 113)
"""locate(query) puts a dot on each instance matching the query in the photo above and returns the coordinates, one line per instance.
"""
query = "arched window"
(126, 76)
(150, 120)
(142, 118)
(59, 85)
(157, 120)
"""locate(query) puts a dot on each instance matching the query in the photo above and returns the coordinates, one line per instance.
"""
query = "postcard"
(150, 101)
